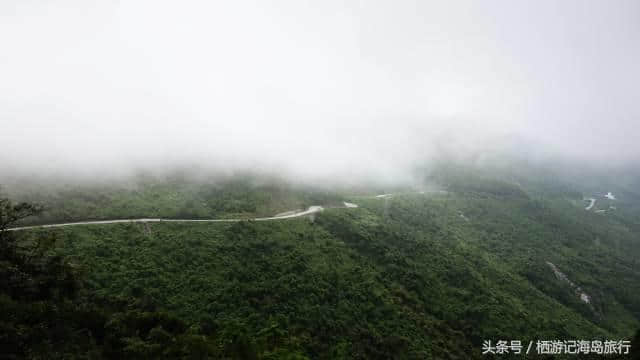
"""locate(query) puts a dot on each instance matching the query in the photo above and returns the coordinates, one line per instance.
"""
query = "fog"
(324, 89)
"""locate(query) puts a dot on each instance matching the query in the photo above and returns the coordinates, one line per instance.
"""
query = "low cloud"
(364, 90)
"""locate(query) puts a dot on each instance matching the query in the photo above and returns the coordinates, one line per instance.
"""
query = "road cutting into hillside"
(311, 210)
(282, 216)
(592, 202)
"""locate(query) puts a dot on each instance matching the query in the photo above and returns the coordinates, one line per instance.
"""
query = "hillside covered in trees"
(416, 274)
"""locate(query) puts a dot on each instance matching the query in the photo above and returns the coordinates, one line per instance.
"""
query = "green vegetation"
(47, 313)
(171, 197)
(410, 276)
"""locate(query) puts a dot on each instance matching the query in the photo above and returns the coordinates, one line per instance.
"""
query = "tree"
(46, 313)
(11, 213)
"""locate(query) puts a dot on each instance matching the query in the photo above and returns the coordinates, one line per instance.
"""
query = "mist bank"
(193, 190)
(344, 92)
(510, 158)
(385, 151)
(390, 159)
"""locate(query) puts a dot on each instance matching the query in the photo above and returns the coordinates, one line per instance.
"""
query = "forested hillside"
(319, 180)
(178, 196)
(411, 275)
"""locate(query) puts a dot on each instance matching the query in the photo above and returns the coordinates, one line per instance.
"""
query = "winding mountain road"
(592, 202)
(287, 215)
(309, 211)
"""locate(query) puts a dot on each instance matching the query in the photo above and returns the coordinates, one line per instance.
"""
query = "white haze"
(313, 89)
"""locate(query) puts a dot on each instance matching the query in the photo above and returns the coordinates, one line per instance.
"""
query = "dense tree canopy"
(413, 275)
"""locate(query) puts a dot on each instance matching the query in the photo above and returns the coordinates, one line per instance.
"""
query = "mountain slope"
(409, 275)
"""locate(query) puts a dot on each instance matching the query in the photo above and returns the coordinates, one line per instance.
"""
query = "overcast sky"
(317, 88)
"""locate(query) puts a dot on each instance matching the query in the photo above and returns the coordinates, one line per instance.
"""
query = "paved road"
(592, 202)
(309, 211)
(286, 215)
